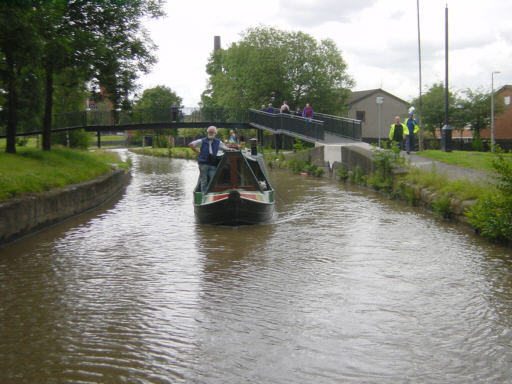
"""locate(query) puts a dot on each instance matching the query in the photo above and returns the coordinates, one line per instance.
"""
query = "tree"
(159, 97)
(103, 43)
(19, 44)
(433, 108)
(155, 105)
(109, 38)
(476, 109)
(269, 65)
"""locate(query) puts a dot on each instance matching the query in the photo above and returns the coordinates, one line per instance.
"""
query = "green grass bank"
(31, 170)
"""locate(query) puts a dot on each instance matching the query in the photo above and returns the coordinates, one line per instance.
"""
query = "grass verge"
(32, 170)
(482, 161)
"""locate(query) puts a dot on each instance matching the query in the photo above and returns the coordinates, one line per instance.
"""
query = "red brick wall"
(502, 121)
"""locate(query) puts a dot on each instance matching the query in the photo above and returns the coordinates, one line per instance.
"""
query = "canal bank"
(355, 162)
(24, 215)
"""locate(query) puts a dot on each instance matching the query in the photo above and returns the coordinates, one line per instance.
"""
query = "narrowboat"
(238, 194)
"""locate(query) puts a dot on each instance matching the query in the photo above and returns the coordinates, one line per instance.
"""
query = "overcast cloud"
(378, 40)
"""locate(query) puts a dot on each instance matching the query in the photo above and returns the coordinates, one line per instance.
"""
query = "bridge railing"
(341, 126)
(310, 128)
(148, 116)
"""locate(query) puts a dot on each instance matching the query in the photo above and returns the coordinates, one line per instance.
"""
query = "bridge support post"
(98, 134)
(260, 138)
(276, 138)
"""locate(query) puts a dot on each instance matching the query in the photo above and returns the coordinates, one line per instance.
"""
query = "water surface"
(343, 286)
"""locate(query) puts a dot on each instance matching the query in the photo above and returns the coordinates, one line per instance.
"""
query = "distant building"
(363, 106)
(99, 101)
(502, 121)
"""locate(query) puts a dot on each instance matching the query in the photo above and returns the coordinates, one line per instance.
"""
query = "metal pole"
(420, 133)
(379, 124)
(446, 69)
(492, 110)
(379, 101)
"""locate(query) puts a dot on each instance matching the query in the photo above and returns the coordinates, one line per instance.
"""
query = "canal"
(344, 286)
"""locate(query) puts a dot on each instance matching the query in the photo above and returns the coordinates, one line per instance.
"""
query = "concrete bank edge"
(24, 215)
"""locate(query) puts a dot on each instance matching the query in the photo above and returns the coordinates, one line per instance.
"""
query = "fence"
(94, 118)
(277, 122)
(341, 126)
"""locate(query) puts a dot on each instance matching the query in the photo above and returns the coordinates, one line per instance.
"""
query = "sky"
(378, 40)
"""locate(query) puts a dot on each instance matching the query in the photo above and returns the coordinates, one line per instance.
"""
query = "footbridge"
(323, 128)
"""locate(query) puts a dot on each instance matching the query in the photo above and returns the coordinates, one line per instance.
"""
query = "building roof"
(507, 86)
(360, 95)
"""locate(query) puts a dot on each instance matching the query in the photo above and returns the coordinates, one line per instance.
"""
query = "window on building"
(360, 115)
(507, 100)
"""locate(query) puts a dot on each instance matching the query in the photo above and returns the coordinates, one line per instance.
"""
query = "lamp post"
(379, 101)
(492, 109)
(420, 133)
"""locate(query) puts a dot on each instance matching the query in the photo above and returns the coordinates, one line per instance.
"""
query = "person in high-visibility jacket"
(397, 132)
(413, 128)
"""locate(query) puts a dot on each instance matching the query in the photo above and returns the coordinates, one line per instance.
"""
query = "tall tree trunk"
(12, 106)
(48, 106)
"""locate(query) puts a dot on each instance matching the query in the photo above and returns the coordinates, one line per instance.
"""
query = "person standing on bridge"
(207, 159)
(285, 108)
(412, 129)
(308, 111)
(397, 132)
(270, 108)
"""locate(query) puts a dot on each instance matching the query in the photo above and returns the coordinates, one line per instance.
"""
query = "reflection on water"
(343, 286)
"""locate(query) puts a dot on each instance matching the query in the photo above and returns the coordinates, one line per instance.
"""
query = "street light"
(492, 109)
(379, 101)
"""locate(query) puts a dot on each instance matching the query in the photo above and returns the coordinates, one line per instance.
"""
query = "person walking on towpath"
(207, 159)
(397, 131)
(412, 128)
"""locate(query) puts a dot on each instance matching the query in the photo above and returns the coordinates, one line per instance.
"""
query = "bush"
(443, 207)
(318, 172)
(478, 144)
(357, 176)
(297, 165)
(492, 214)
(405, 192)
(492, 217)
(162, 142)
(384, 159)
(76, 139)
(21, 141)
(342, 172)
(298, 146)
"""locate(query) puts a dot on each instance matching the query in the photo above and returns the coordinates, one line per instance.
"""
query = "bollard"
(446, 138)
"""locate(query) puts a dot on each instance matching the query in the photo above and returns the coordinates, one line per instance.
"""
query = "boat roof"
(240, 170)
